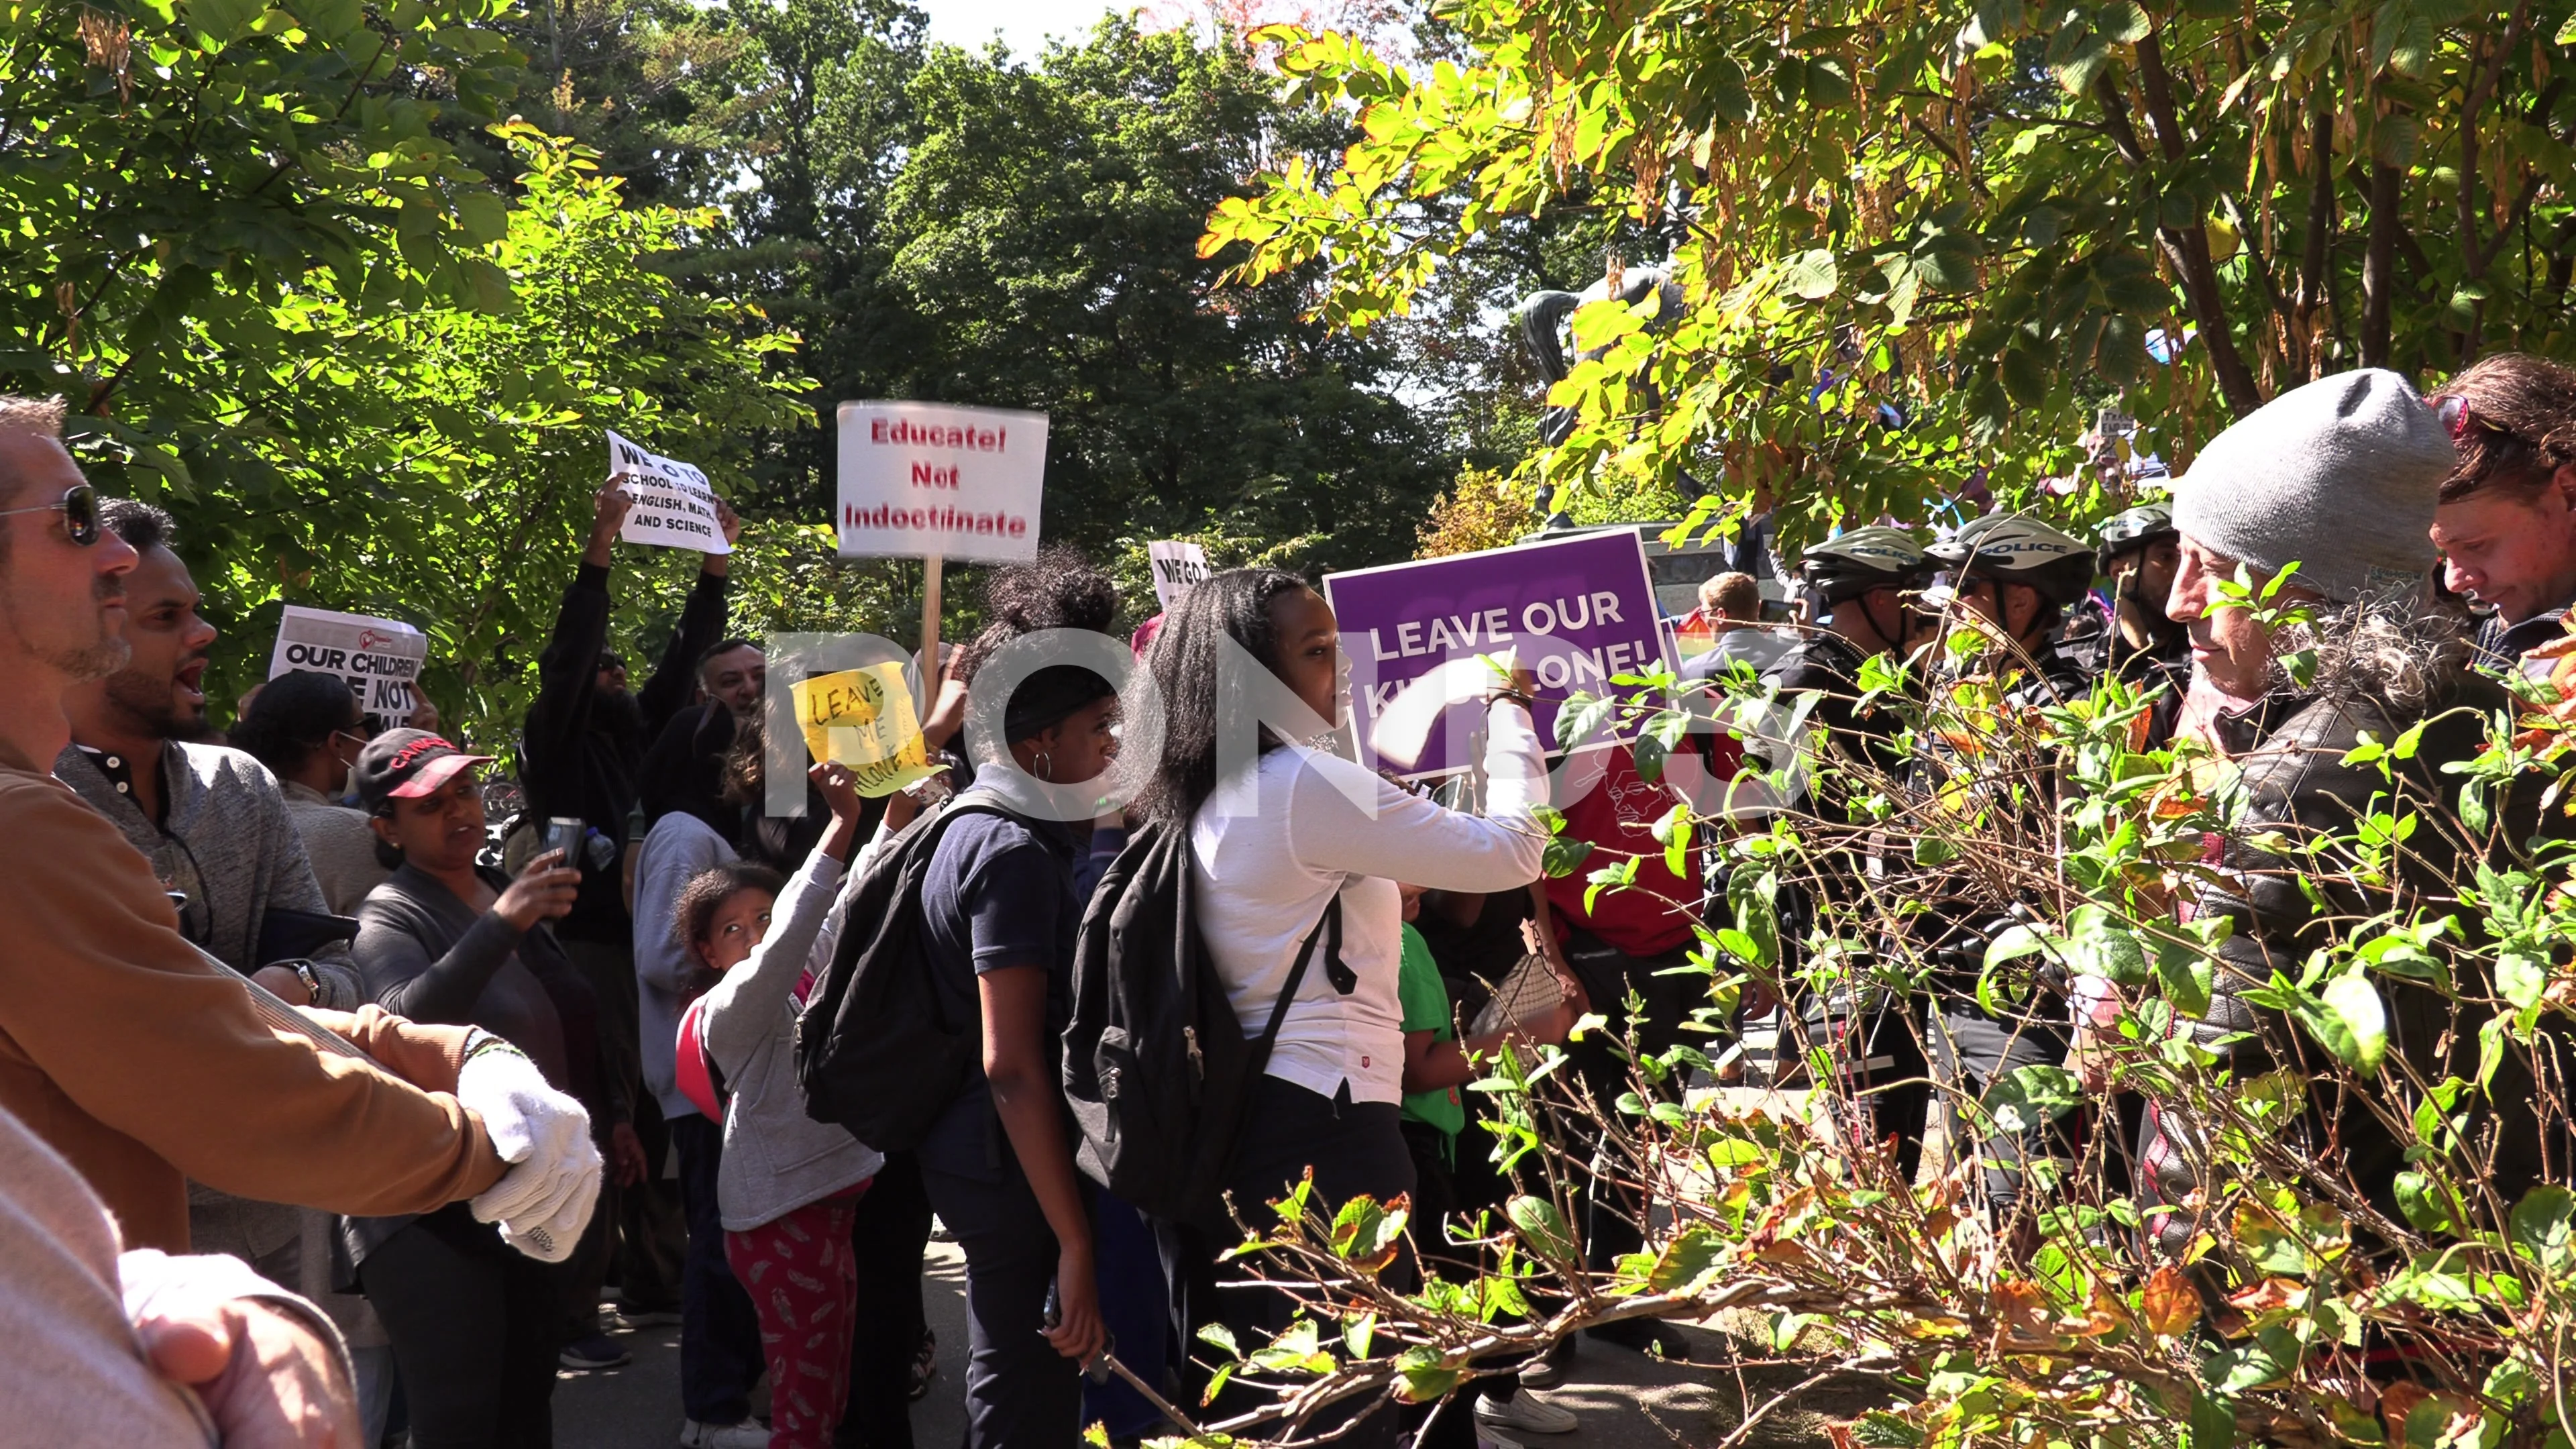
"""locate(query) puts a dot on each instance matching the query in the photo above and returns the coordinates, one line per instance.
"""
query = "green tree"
(1994, 216)
(172, 173)
(446, 476)
(1036, 248)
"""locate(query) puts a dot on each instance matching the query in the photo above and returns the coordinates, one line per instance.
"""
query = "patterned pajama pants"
(803, 1280)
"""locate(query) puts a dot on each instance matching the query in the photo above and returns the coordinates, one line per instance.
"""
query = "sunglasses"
(79, 505)
(2455, 416)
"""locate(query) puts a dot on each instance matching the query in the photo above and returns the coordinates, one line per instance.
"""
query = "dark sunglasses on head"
(79, 507)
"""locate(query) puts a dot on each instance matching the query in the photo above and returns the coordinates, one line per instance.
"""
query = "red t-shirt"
(1618, 815)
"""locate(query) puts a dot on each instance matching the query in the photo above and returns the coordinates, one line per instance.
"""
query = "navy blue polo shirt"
(998, 895)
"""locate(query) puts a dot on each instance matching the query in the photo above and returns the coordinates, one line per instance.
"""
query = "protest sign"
(1177, 565)
(379, 658)
(1577, 612)
(928, 480)
(674, 507)
(863, 718)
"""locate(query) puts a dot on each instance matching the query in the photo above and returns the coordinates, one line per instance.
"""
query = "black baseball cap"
(407, 764)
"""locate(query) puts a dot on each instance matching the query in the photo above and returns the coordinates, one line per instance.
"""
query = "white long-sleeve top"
(1268, 858)
(777, 1159)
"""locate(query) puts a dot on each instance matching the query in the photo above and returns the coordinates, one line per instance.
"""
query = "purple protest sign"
(1578, 611)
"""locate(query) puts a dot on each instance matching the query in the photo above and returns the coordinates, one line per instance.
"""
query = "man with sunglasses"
(143, 1063)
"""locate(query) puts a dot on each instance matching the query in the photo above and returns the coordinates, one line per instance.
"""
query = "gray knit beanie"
(2339, 476)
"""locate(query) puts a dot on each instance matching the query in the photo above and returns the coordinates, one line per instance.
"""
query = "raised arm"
(743, 1009)
(568, 667)
(1402, 836)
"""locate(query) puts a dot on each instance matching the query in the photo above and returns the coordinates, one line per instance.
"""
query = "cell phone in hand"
(563, 833)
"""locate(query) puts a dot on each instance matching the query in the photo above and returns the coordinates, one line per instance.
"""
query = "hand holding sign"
(863, 718)
(608, 510)
(673, 506)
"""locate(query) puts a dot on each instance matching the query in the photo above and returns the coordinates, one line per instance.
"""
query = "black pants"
(1980, 1051)
(1890, 1071)
(720, 1355)
(652, 1223)
(473, 1324)
(1614, 1215)
(1437, 1196)
(1020, 1393)
(609, 967)
(1352, 1148)
(887, 1239)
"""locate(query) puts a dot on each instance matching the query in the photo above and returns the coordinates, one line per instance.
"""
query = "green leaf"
(2424, 1204)
(2243, 1369)
(2521, 978)
(2013, 943)
(2347, 1019)
(1812, 275)
(1298, 1348)
(1541, 1226)
(2352, 998)
(2543, 1226)
(1563, 856)
(2187, 975)
(1424, 1377)
(2031, 1095)
(1581, 717)
(223, 20)
(2213, 1423)
(1687, 1260)
(1368, 1234)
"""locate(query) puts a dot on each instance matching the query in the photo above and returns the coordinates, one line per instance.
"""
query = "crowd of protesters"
(435, 1080)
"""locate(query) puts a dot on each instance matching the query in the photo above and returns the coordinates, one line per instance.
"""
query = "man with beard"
(214, 825)
(140, 1062)
(581, 757)
(210, 819)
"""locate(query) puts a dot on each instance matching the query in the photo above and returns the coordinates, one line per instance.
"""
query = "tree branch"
(2187, 248)
(2313, 255)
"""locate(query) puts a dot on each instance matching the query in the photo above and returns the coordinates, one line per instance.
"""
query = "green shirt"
(1426, 1008)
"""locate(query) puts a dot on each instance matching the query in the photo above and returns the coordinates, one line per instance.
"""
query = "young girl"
(789, 1185)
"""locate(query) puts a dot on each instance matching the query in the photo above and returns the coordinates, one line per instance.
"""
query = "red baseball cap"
(407, 764)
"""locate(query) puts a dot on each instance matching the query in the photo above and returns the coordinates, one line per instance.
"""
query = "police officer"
(2138, 551)
(2020, 576)
(1857, 590)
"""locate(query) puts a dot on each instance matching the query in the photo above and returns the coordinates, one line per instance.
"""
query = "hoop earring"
(1046, 767)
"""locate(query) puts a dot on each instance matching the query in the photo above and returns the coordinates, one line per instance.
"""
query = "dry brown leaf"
(2169, 1302)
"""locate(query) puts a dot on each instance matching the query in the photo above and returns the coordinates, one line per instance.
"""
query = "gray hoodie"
(777, 1159)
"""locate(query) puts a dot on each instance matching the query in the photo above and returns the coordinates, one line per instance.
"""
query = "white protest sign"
(674, 507)
(1177, 565)
(379, 658)
(931, 480)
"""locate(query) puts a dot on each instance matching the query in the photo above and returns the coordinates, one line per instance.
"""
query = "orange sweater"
(144, 1065)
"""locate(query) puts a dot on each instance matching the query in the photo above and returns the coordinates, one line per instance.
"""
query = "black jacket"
(581, 754)
(2298, 788)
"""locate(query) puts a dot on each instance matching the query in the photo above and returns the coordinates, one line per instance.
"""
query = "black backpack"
(1156, 1068)
(876, 1050)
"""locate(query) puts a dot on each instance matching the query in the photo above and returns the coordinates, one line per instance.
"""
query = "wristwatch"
(311, 978)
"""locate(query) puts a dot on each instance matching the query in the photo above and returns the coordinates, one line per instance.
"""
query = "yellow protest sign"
(863, 718)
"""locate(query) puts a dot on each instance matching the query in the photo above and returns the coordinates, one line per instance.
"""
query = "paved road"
(638, 1406)
(1625, 1400)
